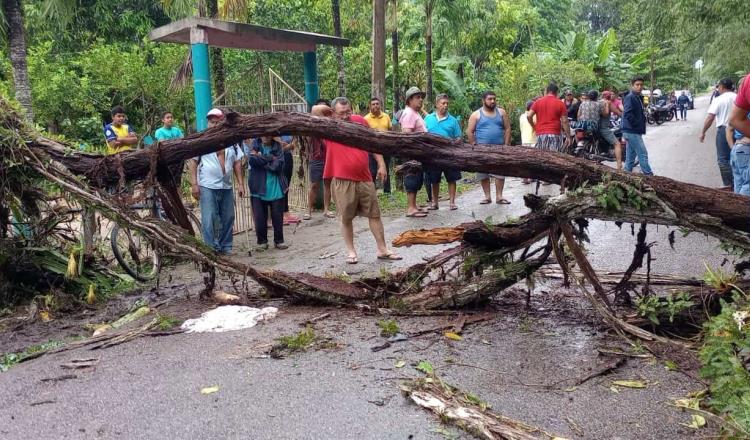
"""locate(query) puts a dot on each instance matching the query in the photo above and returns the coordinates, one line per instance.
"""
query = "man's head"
(414, 98)
(552, 88)
(636, 84)
(569, 95)
(322, 102)
(214, 116)
(489, 100)
(118, 115)
(441, 104)
(267, 140)
(342, 108)
(593, 95)
(167, 119)
(375, 106)
(726, 85)
(529, 103)
(682, 93)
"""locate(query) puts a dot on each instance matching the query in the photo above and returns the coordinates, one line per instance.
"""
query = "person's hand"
(195, 190)
(702, 137)
(566, 142)
(381, 173)
(118, 144)
(255, 153)
(241, 190)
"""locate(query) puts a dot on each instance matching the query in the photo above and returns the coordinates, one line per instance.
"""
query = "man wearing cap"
(411, 122)
(211, 182)
(442, 123)
(490, 125)
(351, 186)
(718, 111)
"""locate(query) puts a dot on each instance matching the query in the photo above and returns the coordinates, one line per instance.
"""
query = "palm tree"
(336, 12)
(394, 54)
(12, 15)
(429, 7)
(378, 48)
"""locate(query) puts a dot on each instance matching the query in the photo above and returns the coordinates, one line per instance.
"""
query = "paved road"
(150, 388)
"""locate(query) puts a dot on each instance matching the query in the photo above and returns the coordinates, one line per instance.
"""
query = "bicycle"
(135, 253)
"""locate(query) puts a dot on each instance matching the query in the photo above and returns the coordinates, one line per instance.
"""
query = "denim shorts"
(413, 182)
(740, 162)
(451, 175)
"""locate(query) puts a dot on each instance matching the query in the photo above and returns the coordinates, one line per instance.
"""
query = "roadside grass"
(8, 360)
(388, 327)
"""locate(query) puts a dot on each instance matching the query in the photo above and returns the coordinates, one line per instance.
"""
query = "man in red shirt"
(352, 186)
(551, 125)
(739, 119)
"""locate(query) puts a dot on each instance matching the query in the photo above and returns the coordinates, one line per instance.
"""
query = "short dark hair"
(593, 95)
(529, 104)
(322, 101)
(637, 78)
(552, 87)
(442, 96)
(488, 93)
(164, 114)
(727, 84)
(375, 98)
(116, 110)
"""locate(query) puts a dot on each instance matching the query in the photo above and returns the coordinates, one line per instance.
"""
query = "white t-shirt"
(721, 106)
(210, 174)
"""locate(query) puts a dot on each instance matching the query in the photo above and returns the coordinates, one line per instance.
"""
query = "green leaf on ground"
(425, 367)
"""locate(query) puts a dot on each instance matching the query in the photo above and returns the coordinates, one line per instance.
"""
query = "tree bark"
(718, 213)
(429, 7)
(17, 48)
(394, 57)
(336, 12)
(378, 49)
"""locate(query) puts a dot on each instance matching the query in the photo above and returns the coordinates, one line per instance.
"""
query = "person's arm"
(530, 117)
(195, 190)
(729, 133)
(565, 129)
(130, 139)
(605, 108)
(239, 177)
(472, 126)
(321, 110)
(629, 112)
(506, 124)
(706, 125)
(738, 119)
(381, 173)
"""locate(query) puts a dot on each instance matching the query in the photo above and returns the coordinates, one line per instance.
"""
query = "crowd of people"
(349, 175)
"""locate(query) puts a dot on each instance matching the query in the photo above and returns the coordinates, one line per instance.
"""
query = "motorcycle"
(659, 113)
(588, 144)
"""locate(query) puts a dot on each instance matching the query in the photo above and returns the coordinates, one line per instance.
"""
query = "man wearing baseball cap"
(211, 181)
(411, 122)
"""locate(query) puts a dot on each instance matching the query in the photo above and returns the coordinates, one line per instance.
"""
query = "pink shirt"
(412, 120)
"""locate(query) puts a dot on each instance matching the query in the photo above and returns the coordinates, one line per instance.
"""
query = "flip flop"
(352, 259)
(330, 214)
(453, 207)
(485, 202)
(391, 256)
(306, 217)
(432, 208)
(503, 202)
(417, 214)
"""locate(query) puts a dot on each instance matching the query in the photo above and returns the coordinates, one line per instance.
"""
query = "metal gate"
(246, 93)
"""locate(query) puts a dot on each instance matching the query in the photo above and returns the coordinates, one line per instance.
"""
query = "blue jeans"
(722, 155)
(740, 162)
(636, 147)
(217, 218)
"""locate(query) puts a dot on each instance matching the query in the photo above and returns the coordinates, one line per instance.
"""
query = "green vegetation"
(167, 322)
(388, 327)
(10, 359)
(299, 342)
(654, 308)
(725, 356)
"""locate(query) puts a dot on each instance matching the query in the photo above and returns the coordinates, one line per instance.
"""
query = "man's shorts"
(355, 199)
(451, 175)
(316, 170)
(413, 182)
(482, 176)
(552, 142)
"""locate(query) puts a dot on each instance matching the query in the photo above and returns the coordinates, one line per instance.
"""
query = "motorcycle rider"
(606, 132)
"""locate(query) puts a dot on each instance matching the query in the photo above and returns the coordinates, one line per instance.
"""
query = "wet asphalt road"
(150, 388)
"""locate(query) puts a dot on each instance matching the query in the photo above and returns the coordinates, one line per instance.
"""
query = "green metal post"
(312, 92)
(201, 77)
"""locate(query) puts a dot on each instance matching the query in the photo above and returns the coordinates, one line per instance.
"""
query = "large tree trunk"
(653, 199)
(17, 48)
(394, 56)
(429, 7)
(378, 49)
(336, 12)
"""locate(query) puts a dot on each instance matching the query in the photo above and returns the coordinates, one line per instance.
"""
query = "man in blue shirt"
(634, 127)
(442, 123)
(168, 130)
(211, 181)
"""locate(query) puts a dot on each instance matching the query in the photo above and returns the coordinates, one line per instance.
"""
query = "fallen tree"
(492, 256)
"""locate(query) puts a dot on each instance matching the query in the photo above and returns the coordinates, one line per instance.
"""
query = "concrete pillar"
(201, 76)
(312, 92)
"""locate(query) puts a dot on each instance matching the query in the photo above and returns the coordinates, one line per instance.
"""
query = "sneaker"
(261, 247)
(281, 246)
